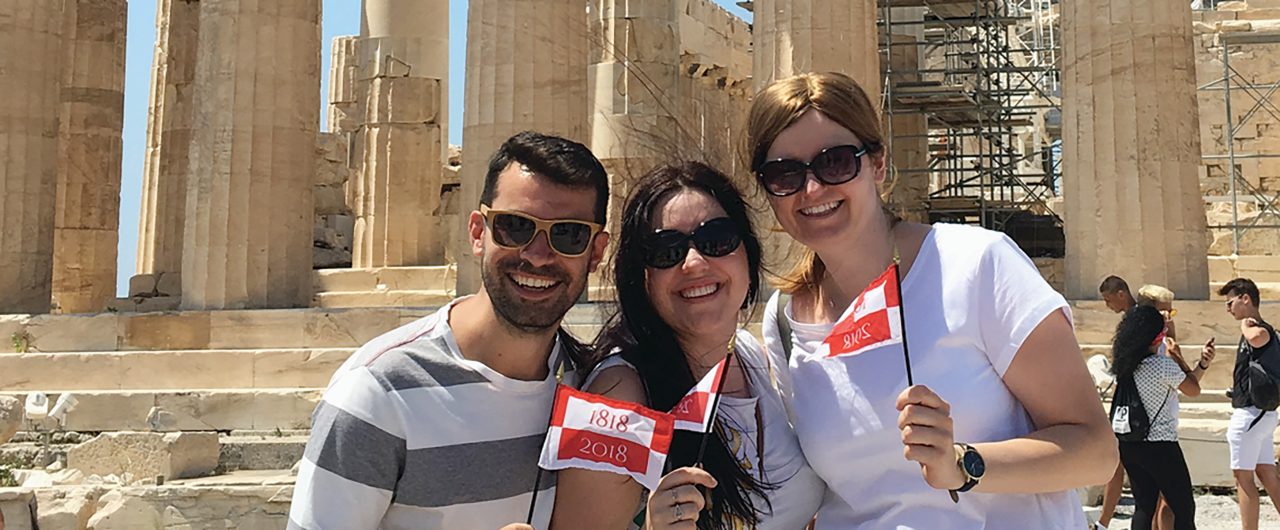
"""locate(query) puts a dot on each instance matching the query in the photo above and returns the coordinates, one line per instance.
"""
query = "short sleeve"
(1012, 300)
(1170, 373)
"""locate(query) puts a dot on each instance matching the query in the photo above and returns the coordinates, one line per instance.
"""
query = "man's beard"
(524, 315)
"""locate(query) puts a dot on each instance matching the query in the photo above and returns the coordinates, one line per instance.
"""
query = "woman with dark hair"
(687, 271)
(1155, 465)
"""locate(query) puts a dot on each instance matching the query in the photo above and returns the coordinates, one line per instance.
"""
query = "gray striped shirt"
(410, 434)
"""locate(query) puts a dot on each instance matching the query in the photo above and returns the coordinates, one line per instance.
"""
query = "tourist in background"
(1115, 293)
(1161, 298)
(687, 272)
(1156, 465)
(1001, 380)
(1250, 435)
(438, 424)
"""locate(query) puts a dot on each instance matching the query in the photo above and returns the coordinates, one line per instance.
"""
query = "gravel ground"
(1213, 512)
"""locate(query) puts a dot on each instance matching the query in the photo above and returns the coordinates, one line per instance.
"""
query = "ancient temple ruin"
(271, 247)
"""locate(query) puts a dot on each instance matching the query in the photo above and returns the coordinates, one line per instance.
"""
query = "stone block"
(18, 509)
(167, 331)
(146, 454)
(12, 329)
(11, 414)
(156, 284)
(117, 511)
(330, 200)
(330, 258)
(67, 508)
(50, 333)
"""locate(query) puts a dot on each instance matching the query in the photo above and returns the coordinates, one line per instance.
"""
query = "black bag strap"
(1152, 419)
(1255, 421)
(784, 324)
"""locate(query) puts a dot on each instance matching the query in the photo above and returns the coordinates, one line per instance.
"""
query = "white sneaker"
(1098, 526)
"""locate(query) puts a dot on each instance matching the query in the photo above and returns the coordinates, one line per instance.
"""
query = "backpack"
(1129, 418)
(1260, 385)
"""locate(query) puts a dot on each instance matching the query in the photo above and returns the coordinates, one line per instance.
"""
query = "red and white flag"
(874, 319)
(601, 434)
(694, 411)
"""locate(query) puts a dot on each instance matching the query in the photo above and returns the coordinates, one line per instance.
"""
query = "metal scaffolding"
(989, 88)
(1259, 97)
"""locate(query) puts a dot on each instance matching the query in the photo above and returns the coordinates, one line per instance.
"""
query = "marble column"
(31, 37)
(798, 36)
(408, 38)
(169, 130)
(87, 219)
(1131, 147)
(526, 70)
(250, 211)
(398, 192)
(909, 148)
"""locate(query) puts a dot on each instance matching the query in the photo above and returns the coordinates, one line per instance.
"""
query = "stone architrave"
(250, 210)
(169, 130)
(1131, 148)
(797, 36)
(31, 37)
(526, 70)
(408, 38)
(86, 226)
(398, 192)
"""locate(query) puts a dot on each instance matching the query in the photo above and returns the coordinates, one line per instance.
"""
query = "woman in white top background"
(1001, 383)
(687, 270)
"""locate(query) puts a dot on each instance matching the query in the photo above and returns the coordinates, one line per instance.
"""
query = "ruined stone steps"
(1262, 269)
(396, 298)
(170, 369)
(191, 410)
(439, 278)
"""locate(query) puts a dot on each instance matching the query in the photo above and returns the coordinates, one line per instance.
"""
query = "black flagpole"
(902, 313)
(537, 481)
(715, 402)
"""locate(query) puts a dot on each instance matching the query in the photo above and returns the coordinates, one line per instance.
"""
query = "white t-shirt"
(970, 300)
(1158, 378)
(798, 489)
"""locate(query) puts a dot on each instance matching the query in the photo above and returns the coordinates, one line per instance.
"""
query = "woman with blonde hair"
(1004, 414)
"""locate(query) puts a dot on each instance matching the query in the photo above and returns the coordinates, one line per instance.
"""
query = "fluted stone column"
(31, 40)
(798, 36)
(1131, 147)
(634, 80)
(344, 113)
(909, 148)
(398, 192)
(86, 227)
(169, 130)
(408, 38)
(526, 70)
(250, 211)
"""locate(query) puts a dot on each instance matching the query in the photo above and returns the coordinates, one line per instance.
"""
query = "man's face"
(1116, 301)
(532, 287)
(1237, 306)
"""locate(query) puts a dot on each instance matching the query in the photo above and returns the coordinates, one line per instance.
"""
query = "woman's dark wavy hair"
(1134, 335)
(649, 343)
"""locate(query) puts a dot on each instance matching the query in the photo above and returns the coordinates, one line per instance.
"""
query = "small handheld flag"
(694, 411)
(597, 433)
(874, 319)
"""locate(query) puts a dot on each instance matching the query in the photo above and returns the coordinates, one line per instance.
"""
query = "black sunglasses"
(714, 238)
(512, 229)
(834, 165)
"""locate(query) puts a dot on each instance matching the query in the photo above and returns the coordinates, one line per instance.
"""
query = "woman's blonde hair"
(836, 96)
(1155, 294)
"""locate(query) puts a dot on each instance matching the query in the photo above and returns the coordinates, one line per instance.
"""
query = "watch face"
(973, 464)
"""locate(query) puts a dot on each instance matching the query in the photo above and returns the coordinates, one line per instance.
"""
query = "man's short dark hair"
(1113, 284)
(561, 161)
(1241, 286)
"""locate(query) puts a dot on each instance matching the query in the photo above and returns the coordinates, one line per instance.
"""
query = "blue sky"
(341, 17)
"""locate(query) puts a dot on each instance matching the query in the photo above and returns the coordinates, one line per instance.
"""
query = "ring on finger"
(679, 512)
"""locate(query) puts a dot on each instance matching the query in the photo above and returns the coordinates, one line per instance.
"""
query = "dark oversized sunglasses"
(511, 229)
(714, 238)
(834, 165)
